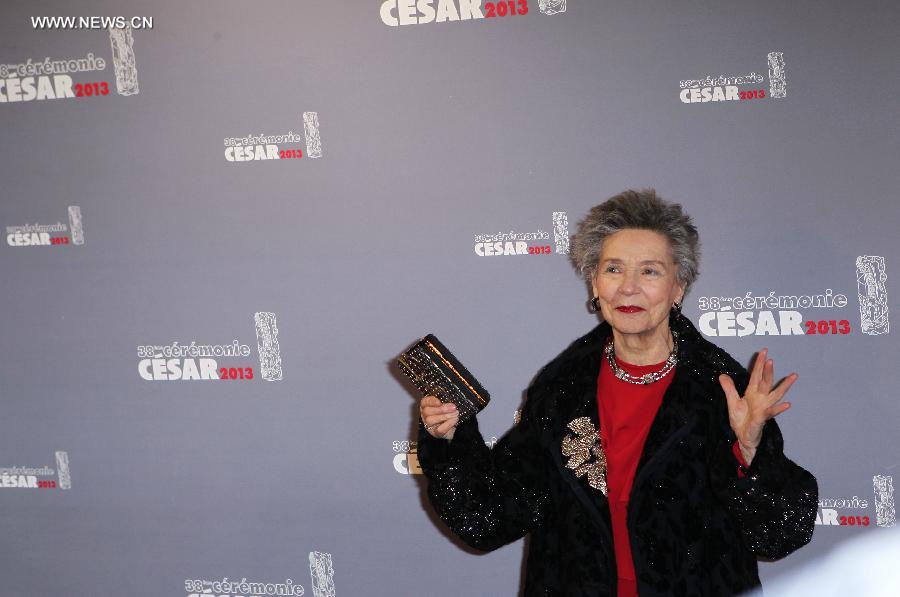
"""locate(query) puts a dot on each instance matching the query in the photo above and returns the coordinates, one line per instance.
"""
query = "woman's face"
(636, 282)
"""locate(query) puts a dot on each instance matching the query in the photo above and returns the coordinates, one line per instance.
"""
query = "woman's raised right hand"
(440, 419)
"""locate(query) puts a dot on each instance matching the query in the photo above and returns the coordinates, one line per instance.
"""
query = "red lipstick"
(630, 309)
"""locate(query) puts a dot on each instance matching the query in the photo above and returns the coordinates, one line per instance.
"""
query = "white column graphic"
(777, 83)
(75, 227)
(267, 342)
(62, 470)
(551, 7)
(561, 232)
(885, 512)
(311, 130)
(122, 43)
(322, 572)
(873, 306)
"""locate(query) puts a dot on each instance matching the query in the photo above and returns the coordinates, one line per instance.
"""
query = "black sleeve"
(488, 497)
(775, 501)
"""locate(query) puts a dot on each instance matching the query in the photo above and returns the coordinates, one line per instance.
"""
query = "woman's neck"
(643, 349)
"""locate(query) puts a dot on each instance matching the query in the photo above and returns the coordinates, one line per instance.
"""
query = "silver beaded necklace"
(648, 378)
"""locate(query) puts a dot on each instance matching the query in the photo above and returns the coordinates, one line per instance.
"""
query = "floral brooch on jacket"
(585, 452)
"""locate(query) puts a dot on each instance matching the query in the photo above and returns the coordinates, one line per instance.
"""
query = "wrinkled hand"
(748, 414)
(440, 419)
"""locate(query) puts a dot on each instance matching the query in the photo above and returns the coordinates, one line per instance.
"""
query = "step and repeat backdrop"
(223, 221)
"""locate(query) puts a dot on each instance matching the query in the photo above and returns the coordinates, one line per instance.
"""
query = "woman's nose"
(629, 283)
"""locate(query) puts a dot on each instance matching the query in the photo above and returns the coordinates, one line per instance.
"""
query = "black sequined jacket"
(696, 527)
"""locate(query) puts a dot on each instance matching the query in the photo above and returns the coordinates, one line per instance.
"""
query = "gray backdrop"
(322, 269)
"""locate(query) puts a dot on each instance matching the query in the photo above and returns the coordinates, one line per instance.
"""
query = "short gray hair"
(641, 210)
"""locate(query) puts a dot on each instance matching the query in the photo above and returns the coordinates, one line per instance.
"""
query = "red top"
(626, 413)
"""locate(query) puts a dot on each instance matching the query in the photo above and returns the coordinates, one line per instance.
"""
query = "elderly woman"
(647, 461)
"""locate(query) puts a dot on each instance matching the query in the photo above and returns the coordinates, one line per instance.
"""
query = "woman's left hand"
(748, 414)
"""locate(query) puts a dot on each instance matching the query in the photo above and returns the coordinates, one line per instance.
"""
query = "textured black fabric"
(695, 527)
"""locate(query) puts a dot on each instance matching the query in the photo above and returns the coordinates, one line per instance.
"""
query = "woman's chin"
(629, 328)
(632, 326)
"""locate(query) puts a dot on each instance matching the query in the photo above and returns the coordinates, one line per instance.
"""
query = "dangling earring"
(594, 304)
(676, 309)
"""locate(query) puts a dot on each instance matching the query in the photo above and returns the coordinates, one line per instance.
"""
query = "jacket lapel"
(577, 399)
(673, 419)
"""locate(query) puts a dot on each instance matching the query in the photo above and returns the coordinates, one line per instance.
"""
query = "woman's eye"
(651, 272)
(612, 269)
